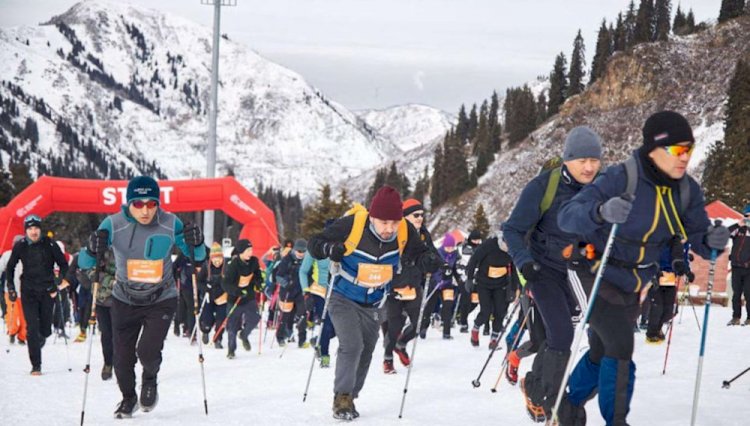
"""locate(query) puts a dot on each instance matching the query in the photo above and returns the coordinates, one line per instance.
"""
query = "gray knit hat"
(582, 142)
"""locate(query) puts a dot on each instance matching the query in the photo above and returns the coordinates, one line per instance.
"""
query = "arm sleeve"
(203, 278)
(336, 233)
(304, 270)
(282, 271)
(10, 272)
(257, 282)
(696, 222)
(59, 259)
(476, 259)
(179, 240)
(85, 259)
(579, 215)
(523, 219)
(231, 278)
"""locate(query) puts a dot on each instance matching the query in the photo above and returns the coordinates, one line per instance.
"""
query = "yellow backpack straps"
(358, 228)
(402, 236)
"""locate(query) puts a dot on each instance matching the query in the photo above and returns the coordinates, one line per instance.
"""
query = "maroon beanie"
(386, 204)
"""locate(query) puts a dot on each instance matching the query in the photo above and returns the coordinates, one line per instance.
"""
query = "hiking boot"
(36, 371)
(21, 342)
(355, 413)
(747, 322)
(218, 345)
(126, 408)
(511, 373)
(13, 339)
(343, 406)
(176, 331)
(402, 356)
(493, 344)
(245, 343)
(303, 345)
(475, 337)
(325, 361)
(464, 329)
(734, 321)
(230, 355)
(204, 338)
(486, 331)
(654, 340)
(106, 372)
(447, 337)
(149, 395)
(388, 367)
(535, 412)
(571, 415)
(423, 334)
(80, 338)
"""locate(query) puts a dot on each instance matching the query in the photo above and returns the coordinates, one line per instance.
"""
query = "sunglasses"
(139, 204)
(677, 150)
(417, 215)
(32, 218)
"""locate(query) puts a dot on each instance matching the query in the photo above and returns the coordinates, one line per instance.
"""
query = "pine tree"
(663, 11)
(678, 26)
(323, 209)
(380, 177)
(422, 186)
(727, 175)
(480, 222)
(603, 51)
(731, 9)
(558, 85)
(437, 193)
(473, 123)
(619, 36)
(690, 22)
(541, 109)
(521, 115)
(462, 125)
(455, 168)
(495, 127)
(577, 71)
(644, 22)
(397, 180)
(629, 24)
(482, 144)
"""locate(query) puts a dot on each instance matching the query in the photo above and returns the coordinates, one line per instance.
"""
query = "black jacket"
(410, 274)
(740, 255)
(237, 269)
(209, 280)
(287, 275)
(39, 261)
(490, 255)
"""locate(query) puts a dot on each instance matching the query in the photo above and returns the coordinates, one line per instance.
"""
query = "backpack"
(360, 214)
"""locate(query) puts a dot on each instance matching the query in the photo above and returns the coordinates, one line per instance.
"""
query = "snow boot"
(535, 412)
(475, 337)
(402, 355)
(36, 371)
(653, 340)
(218, 345)
(343, 407)
(464, 328)
(149, 395)
(494, 340)
(734, 321)
(447, 337)
(12, 339)
(569, 414)
(325, 361)
(245, 343)
(80, 338)
(204, 339)
(511, 373)
(126, 408)
(747, 322)
(388, 367)
(486, 331)
(303, 345)
(230, 355)
(106, 372)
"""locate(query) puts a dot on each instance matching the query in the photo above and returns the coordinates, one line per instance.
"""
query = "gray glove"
(717, 236)
(615, 210)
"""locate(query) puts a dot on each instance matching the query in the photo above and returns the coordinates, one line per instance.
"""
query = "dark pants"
(662, 308)
(212, 316)
(37, 309)
(151, 322)
(446, 309)
(465, 307)
(493, 301)
(61, 310)
(243, 320)
(104, 320)
(395, 309)
(740, 287)
(315, 306)
(297, 315)
(83, 309)
(187, 308)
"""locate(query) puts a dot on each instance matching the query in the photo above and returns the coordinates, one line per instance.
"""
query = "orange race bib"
(145, 271)
(667, 279)
(497, 271)
(317, 290)
(406, 293)
(245, 280)
(475, 297)
(286, 307)
(448, 295)
(372, 276)
(221, 300)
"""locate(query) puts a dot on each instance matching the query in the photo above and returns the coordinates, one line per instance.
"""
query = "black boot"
(126, 408)
(106, 372)
(570, 415)
(149, 395)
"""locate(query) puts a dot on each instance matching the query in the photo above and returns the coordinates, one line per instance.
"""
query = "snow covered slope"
(409, 126)
(267, 390)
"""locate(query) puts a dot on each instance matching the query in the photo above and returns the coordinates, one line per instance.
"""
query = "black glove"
(12, 295)
(193, 235)
(690, 276)
(334, 251)
(447, 270)
(98, 241)
(469, 285)
(530, 271)
(615, 210)
(717, 236)
(679, 267)
(431, 263)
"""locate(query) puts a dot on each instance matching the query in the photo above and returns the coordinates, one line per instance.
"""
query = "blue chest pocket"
(157, 247)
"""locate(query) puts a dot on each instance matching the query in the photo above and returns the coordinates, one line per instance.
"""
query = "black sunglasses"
(417, 215)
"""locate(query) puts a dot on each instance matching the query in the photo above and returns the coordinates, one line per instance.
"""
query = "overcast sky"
(378, 53)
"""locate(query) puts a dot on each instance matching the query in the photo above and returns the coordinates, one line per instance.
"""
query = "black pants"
(662, 308)
(151, 322)
(465, 307)
(104, 320)
(37, 309)
(395, 332)
(243, 320)
(84, 312)
(187, 308)
(61, 310)
(446, 309)
(740, 287)
(297, 315)
(212, 316)
(492, 301)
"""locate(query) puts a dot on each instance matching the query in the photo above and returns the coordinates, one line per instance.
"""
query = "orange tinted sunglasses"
(139, 204)
(677, 150)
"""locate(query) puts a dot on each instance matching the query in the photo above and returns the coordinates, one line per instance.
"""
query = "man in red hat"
(370, 247)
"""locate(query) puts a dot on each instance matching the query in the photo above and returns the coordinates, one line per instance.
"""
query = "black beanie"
(475, 235)
(666, 128)
(243, 245)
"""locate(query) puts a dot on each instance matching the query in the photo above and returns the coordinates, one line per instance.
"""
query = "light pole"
(208, 217)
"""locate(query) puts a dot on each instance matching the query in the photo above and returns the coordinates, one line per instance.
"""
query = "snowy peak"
(409, 126)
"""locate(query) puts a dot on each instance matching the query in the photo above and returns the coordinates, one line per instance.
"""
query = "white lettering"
(166, 193)
(241, 204)
(23, 211)
(109, 196)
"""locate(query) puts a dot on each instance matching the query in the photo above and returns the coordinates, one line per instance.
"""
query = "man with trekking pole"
(632, 210)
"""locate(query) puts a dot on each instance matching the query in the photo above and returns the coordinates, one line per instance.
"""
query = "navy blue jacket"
(547, 240)
(642, 237)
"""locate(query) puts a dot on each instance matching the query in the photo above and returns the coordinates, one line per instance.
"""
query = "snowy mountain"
(109, 89)
(687, 74)
(409, 126)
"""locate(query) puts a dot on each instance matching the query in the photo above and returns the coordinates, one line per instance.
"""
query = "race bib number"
(245, 280)
(474, 297)
(448, 295)
(406, 293)
(667, 279)
(221, 300)
(372, 276)
(286, 307)
(497, 271)
(318, 290)
(145, 271)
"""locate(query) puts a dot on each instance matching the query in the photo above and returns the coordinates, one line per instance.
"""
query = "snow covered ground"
(264, 389)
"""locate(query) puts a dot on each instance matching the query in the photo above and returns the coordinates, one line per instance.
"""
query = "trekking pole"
(582, 325)
(671, 326)
(260, 322)
(704, 332)
(65, 336)
(727, 383)
(224, 323)
(92, 325)
(425, 298)
(335, 269)
(514, 346)
(476, 383)
(10, 306)
(196, 313)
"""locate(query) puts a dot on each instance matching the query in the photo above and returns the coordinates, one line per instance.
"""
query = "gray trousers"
(357, 328)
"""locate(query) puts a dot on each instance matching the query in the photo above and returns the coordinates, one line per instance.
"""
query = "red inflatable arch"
(51, 194)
